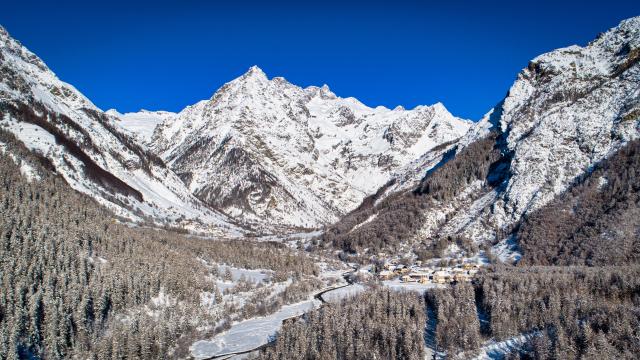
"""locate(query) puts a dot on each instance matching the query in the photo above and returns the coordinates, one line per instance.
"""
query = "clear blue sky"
(158, 55)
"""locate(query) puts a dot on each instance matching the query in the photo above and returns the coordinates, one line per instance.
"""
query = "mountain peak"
(254, 72)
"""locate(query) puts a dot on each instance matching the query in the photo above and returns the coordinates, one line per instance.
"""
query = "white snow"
(249, 334)
(560, 126)
(165, 198)
(507, 250)
(568, 110)
(366, 221)
(141, 124)
(162, 300)
(256, 276)
(309, 156)
(498, 349)
(27, 170)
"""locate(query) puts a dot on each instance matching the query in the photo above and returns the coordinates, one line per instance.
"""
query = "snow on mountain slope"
(267, 151)
(86, 147)
(140, 124)
(568, 110)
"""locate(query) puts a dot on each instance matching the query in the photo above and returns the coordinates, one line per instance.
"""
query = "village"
(417, 273)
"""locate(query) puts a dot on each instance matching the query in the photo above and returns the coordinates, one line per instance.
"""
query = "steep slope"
(86, 147)
(567, 111)
(267, 151)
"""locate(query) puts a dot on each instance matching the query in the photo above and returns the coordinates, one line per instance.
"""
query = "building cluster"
(430, 275)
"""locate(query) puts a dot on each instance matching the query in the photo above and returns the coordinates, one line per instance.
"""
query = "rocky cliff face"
(262, 151)
(266, 151)
(567, 110)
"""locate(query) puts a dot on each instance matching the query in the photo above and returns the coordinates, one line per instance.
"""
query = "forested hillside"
(582, 304)
(578, 312)
(596, 222)
(516, 236)
(75, 283)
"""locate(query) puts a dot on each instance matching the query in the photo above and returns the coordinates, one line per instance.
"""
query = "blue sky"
(167, 55)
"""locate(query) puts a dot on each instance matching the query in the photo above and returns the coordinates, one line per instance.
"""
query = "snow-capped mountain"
(271, 155)
(268, 152)
(567, 110)
(87, 147)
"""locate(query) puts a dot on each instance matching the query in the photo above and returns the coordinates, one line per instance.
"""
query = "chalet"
(422, 278)
(471, 267)
(402, 270)
(408, 278)
(386, 275)
(461, 277)
(473, 271)
(441, 277)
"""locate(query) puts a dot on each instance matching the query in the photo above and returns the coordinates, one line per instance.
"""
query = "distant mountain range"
(266, 156)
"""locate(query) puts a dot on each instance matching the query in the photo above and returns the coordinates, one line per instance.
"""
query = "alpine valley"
(398, 233)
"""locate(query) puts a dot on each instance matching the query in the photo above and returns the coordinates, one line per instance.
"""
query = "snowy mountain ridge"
(265, 150)
(275, 156)
(262, 151)
(567, 110)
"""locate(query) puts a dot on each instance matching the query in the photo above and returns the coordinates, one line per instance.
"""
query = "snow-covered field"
(507, 250)
(237, 274)
(249, 334)
(248, 274)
